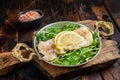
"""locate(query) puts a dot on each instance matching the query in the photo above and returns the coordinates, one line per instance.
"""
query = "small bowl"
(32, 23)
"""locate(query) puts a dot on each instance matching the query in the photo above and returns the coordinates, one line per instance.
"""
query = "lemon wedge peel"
(67, 40)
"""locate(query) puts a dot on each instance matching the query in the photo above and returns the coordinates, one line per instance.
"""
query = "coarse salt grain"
(29, 16)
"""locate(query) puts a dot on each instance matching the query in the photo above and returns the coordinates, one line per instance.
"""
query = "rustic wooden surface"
(8, 63)
(55, 10)
(113, 12)
(107, 56)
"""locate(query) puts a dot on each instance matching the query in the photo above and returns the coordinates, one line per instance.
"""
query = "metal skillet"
(59, 24)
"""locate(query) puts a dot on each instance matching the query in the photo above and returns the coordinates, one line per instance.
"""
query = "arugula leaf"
(80, 55)
(51, 32)
(72, 57)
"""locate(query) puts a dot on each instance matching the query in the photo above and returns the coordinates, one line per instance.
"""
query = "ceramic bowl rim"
(24, 11)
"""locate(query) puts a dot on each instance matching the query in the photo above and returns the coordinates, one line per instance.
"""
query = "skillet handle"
(9, 63)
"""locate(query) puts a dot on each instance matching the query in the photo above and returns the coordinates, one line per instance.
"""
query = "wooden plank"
(92, 9)
(64, 11)
(27, 4)
(114, 9)
(8, 63)
(102, 14)
(97, 76)
(54, 72)
(103, 59)
(11, 61)
(45, 7)
(85, 12)
(87, 9)
(8, 34)
(111, 73)
(96, 9)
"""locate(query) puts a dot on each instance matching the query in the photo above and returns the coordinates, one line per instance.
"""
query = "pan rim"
(59, 22)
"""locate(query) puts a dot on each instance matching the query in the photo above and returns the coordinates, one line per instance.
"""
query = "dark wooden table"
(56, 10)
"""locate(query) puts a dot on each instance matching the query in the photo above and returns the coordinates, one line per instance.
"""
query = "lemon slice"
(66, 40)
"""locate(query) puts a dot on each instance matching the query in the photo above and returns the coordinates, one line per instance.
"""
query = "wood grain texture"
(8, 25)
(114, 9)
(8, 63)
(55, 10)
(104, 59)
(88, 76)
(107, 56)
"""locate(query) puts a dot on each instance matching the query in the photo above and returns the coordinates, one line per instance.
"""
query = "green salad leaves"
(51, 32)
(80, 55)
(72, 57)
